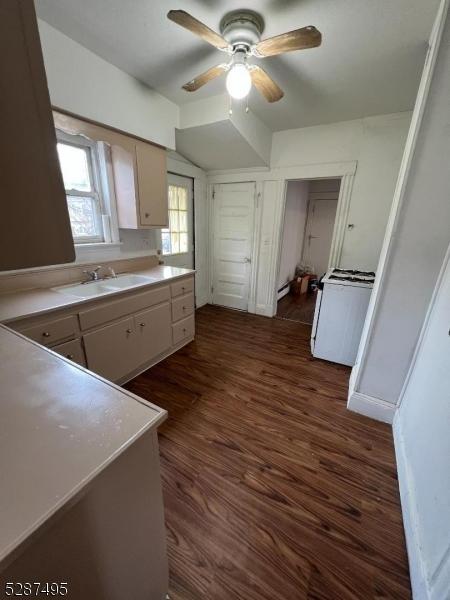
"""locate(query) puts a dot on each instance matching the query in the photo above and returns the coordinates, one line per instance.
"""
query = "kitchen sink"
(105, 286)
(124, 281)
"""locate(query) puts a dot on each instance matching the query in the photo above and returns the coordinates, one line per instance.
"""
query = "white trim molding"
(375, 408)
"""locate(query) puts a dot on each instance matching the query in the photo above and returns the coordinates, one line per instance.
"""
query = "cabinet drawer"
(183, 286)
(125, 306)
(183, 330)
(182, 307)
(112, 351)
(72, 350)
(51, 332)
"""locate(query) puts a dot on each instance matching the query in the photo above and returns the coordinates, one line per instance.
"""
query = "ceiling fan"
(241, 39)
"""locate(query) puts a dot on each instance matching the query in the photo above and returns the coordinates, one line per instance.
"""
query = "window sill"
(99, 245)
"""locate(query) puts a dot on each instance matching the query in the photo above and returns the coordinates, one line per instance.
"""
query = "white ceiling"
(369, 62)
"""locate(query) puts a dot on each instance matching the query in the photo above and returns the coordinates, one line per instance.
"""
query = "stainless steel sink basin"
(105, 286)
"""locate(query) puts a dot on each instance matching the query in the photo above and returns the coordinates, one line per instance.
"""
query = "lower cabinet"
(112, 351)
(153, 329)
(116, 350)
(122, 335)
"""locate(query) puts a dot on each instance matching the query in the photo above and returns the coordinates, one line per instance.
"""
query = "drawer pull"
(46, 334)
(147, 215)
(129, 330)
(141, 324)
(69, 356)
(184, 308)
(184, 329)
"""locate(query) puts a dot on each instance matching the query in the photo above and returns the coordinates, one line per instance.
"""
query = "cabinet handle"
(70, 356)
(183, 288)
(46, 334)
(129, 330)
(184, 308)
(184, 329)
(141, 324)
(146, 215)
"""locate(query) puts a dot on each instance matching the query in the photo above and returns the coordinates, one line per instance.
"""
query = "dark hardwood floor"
(297, 307)
(272, 489)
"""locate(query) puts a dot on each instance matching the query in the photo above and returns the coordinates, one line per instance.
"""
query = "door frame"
(279, 176)
(254, 260)
(340, 223)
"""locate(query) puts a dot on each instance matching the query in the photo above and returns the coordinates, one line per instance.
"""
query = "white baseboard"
(375, 408)
(416, 569)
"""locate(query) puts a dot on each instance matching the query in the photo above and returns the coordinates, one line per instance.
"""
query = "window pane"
(173, 197)
(74, 167)
(83, 216)
(182, 198)
(183, 221)
(173, 220)
(175, 242)
(165, 239)
(183, 242)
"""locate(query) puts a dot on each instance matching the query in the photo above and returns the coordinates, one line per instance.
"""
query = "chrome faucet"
(93, 275)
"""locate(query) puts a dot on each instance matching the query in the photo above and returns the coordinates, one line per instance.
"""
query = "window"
(175, 238)
(80, 175)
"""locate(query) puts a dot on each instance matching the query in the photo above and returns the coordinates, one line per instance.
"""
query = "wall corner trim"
(372, 407)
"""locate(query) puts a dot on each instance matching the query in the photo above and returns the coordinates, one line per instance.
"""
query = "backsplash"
(64, 274)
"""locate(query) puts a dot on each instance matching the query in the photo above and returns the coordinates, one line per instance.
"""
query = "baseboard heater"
(283, 291)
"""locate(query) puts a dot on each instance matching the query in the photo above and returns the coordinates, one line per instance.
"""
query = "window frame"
(167, 230)
(90, 147)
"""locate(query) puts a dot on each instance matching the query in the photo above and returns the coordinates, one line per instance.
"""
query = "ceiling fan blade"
(299, 39)
(181, 17)
(265, 84)
(209, 75)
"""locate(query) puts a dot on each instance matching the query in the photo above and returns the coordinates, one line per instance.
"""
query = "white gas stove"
(341, 306)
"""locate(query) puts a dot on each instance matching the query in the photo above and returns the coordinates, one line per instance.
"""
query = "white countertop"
(15, 305)
(60, 425)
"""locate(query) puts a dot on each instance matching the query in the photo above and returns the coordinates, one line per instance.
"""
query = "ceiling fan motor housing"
(242, 28)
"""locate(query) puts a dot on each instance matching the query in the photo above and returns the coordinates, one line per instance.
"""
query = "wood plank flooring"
(298, 308)
(272, 489)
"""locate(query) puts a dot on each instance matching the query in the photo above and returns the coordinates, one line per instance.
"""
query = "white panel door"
(319, 233)
(233, 225)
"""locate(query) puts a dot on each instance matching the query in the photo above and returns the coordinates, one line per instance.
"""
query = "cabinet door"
(35, 227)
(154, 330)
(152, 185)
(112, 351)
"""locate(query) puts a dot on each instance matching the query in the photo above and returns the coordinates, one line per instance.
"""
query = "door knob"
(247, 260)
(141, 324)
(128, 330)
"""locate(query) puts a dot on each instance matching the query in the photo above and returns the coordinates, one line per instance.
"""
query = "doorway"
(309, 218)
(177, 240)
(233, 215)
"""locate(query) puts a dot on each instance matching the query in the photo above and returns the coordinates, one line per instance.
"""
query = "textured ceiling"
(369, 63)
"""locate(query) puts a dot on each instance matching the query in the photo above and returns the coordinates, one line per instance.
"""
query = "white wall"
(416, 249)
(377, 144)
(422, 442)
(296, 210)
(83, 83)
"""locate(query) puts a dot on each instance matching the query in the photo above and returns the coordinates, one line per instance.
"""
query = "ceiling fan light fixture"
(239, 81)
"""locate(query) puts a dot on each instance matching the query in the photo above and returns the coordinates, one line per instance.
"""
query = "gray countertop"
(14, 305)
(60, 425)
